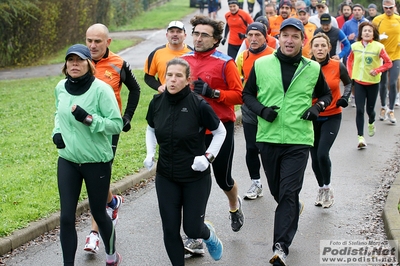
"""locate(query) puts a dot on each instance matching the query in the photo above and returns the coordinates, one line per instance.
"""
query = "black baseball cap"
(80, 50)
(325, 19)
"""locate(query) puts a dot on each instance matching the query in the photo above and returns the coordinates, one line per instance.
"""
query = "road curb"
(37, 228)
(391, 216)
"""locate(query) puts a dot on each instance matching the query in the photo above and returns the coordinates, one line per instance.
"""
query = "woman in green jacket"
(87, 115)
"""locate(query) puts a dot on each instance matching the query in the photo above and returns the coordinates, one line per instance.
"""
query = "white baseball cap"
(176, 24)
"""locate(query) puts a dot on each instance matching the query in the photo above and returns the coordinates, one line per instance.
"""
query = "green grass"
(115, 46)
(159, 17)
(28, 156)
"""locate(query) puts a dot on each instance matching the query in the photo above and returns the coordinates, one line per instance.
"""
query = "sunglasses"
(320, 7)
(388, 7)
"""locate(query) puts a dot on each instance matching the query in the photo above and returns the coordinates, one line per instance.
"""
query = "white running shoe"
(328, 198)
(392, 119)
(254, 191)
(92, 243)
(383, 114)
(320, 197)
(353, 101)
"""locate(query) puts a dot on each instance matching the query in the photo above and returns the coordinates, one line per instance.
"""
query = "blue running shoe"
(214, 245)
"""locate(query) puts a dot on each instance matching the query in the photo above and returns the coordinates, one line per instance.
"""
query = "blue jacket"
(351, 26)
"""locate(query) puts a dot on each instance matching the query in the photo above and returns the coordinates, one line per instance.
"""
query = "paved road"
(355, 177)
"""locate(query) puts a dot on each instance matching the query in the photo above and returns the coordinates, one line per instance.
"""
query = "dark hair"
(374, 30)
(179, 61)
(218, 26)
(342, 5)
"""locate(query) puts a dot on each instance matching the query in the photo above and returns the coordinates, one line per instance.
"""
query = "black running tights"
(97, 179)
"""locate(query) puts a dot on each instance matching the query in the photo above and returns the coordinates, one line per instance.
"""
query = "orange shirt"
(237, 23)
(156, 62)
(309, 29)
(275, 24)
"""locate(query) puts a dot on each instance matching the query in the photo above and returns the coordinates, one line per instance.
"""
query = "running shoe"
(237, 217)
(328, 198)
(117, 262)
(214, 245)
(279, 256)
(254, 191)
(392, 119)
(319, 199)
(361, 142)
(371, 129)
(194, 246)
(92, 243)
(397, 102)
(113, 212)
(353, 101)
(301, 207)
(383, 114)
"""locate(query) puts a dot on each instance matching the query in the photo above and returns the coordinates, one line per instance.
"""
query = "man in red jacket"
(217, 80)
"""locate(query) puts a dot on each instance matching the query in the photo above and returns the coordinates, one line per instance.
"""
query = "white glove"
(149, 162)
(383, 36)
(200, 163)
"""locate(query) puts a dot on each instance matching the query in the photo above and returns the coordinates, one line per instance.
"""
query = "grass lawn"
(27, 154)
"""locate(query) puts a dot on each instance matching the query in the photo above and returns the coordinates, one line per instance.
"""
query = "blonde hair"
(320, 35)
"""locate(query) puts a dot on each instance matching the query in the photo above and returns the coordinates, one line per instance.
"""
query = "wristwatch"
(210, 157)
(88, 120)
(216, 93)
(322, 104)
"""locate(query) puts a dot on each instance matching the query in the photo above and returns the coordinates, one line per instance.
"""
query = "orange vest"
(108, 70)
(331, 73)
(249, 58)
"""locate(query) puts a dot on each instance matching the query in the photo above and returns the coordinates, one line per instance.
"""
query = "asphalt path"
(355, 177)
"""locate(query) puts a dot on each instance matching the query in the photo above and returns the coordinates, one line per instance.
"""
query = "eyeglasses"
(203, 35)
(388, 7)
(320, 7)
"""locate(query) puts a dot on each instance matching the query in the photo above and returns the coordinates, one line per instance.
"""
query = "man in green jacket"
(280, 90)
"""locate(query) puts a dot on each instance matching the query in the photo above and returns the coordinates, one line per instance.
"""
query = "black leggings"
(174, 196)
(362, 92)
(97, 179)
(222, 165)
(325, 133)
(233, 50)
(252, 160)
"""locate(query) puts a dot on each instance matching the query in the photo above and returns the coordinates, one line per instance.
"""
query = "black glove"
(80, 114)
(223, 41)
(242, 36)
(343, 102)
(312, 113)
(202, 88)
(58, 140)
(269, 113)
(126, 123)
